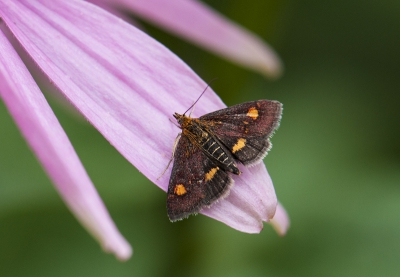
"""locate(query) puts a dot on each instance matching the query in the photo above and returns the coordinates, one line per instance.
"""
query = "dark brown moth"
(210, 147)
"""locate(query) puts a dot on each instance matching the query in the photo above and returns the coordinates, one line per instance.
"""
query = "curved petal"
(281, 221)
(253, 196)
(200, 24)
(48, 140)
(127, 85)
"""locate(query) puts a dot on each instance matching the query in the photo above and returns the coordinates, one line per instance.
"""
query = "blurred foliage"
(335, 162)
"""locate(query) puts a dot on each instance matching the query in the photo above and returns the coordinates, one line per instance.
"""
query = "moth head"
(182, 119)
(178, 116)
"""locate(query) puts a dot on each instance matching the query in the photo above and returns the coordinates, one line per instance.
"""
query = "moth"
(209, 149)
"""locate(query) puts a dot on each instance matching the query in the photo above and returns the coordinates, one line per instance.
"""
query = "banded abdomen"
(212, 147)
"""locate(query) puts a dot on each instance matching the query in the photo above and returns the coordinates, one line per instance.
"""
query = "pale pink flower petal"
(198, 23)
(128, 85)
(281, 221)
(47, 139)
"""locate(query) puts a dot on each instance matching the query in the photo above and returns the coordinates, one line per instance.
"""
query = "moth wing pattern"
(246, 128)
(196, 181)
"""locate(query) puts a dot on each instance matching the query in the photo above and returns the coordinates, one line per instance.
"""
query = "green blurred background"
(335, 161)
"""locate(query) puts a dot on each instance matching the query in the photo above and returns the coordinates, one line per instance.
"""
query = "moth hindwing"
(211, 146)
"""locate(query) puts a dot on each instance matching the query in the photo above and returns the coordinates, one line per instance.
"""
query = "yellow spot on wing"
(253, 113)
(239, 145)
(211, 173)
(179, 189)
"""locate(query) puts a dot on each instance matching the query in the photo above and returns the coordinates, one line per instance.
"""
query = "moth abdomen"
(219, 154)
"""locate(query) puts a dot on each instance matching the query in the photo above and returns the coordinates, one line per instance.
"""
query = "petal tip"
(273, 71)
(281, 221)
(121, 249)
(270, 65)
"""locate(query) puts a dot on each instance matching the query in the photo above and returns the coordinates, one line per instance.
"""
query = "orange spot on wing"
(211, 173)
(253, 113)
(180, 189)
(239, 145)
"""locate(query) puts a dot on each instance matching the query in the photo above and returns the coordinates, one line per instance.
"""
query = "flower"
(126, 84)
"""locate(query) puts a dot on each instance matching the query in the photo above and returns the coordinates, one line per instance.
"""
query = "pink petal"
(251, 201)
(281, 221)
(128, 85)
(198, 23)
(46, 137)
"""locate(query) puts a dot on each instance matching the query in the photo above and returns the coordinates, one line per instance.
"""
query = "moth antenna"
(173, 154)
(192, 106)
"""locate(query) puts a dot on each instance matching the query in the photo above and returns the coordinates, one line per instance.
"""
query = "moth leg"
(192, 109)
(173, 122)
(173, 154)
